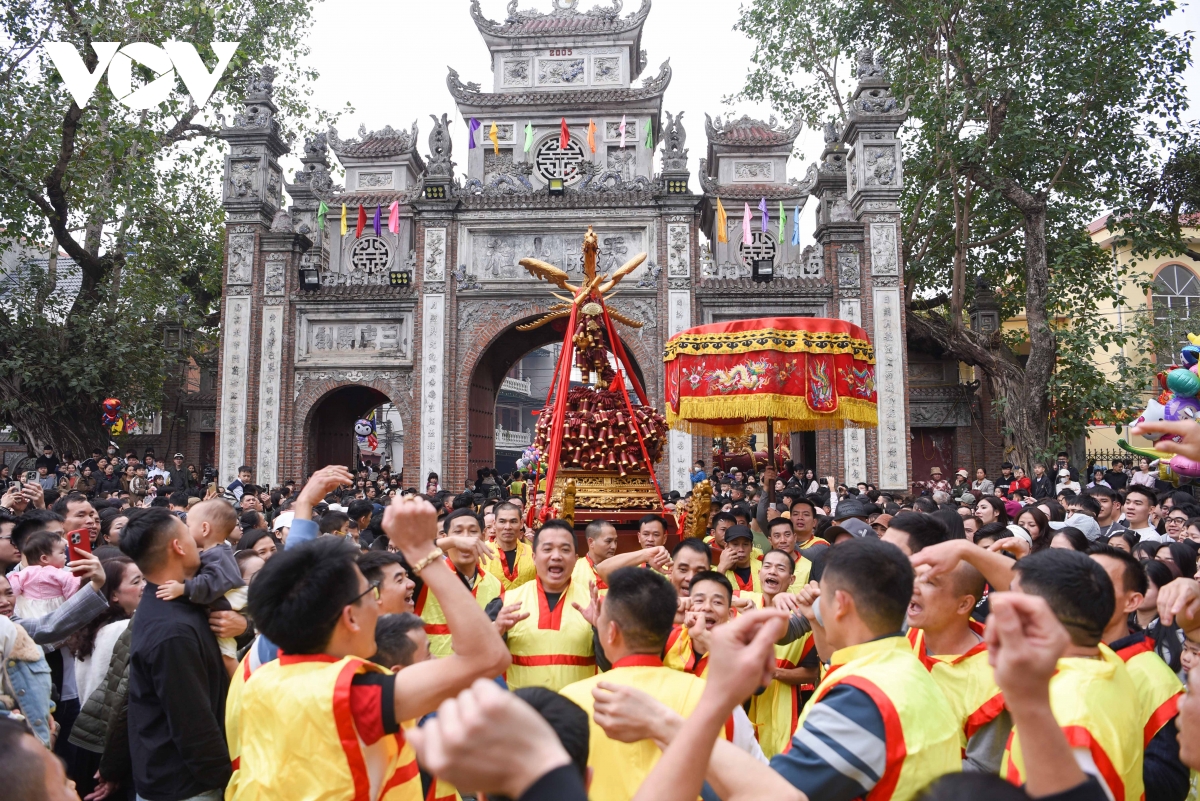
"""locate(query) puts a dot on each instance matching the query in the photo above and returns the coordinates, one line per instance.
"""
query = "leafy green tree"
(1028, 120)
(131, 197)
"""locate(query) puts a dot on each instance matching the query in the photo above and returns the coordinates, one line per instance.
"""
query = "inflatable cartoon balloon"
(364, 429)
(1178, 402)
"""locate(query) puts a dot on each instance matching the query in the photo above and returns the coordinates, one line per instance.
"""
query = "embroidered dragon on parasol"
(605, 444)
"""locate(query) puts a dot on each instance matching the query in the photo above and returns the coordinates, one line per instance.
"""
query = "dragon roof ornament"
(387, 141)
(749, 132)
(794, 188)
(565, 18)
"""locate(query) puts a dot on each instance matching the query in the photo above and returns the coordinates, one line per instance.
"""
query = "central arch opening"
(331, 436)
(512, 378)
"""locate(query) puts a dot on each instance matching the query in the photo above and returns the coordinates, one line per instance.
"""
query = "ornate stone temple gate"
(424, 313)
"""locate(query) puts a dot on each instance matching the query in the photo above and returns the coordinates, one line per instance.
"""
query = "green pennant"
(650, 135)
(528, 136)
(322, 210)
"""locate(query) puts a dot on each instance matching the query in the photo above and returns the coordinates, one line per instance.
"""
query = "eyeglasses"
(1179, 521)
(371, 587)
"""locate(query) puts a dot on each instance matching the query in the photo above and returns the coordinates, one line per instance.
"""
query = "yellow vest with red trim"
(585, 574)
(439, 790)
(1159, 689)
(550, 648)
(775, 711)
(523, 571)
(233, 711)
(487, 589)
(299, 742)
(966, 680)
(921, 734)
(618, 769)
(1095, 703)
(754, 584)
(680, 655)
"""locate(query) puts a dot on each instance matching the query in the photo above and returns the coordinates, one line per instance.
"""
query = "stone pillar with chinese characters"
(874, 178)
(839, 245)
(252, 195)
(680, 227)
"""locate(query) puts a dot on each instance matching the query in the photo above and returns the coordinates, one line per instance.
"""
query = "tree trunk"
(38, 427)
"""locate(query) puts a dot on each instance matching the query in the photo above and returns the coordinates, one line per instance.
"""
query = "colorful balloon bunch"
(1177, 401)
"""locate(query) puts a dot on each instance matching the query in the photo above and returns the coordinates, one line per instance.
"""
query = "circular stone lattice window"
(551, 161)
(370, 255)
(761, 247)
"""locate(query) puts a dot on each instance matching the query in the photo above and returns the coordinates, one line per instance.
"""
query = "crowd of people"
(174, 639)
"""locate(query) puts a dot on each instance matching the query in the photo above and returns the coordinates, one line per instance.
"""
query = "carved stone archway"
(492, 360)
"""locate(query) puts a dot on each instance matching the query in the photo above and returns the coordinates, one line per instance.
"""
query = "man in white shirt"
(1139, 502)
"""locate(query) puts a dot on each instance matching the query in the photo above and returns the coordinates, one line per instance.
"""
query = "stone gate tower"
(320, 327)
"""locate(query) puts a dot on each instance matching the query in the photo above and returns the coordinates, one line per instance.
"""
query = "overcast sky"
(389, 61)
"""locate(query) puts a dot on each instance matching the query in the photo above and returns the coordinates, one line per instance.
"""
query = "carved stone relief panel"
(879, 168)
(679, 251)
(612, 131)
(344, 337)
(274, 277)
(274, 187)
(561, 72)
(849, 267)
(606, 69)
(382, 179)
(243, 179)
(435, 254)
(885, 258)
(622, 161)
(515, 72)
(495, 164)
(754, 172)
(241, 258)
(812, 262)
(495, 256)
(839, 210)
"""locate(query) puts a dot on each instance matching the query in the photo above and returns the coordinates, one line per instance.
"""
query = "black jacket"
(177, 689)
(1043, 487)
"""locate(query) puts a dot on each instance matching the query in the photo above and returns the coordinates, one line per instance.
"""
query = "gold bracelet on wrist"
(429, 559)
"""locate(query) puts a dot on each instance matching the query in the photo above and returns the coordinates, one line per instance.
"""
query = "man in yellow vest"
(634, 620)
(951, 646)
(776, 709)
(463, 544)
(552, 647)
(877, 704)
(513, 563)
(877, 726)
(322, 721)
(710, 597)
(1094, 700)
(737, 560)
(653, 555)
(1159, 689)
(602, 545)
(782, 535)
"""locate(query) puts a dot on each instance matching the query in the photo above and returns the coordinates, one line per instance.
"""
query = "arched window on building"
(1175, 297)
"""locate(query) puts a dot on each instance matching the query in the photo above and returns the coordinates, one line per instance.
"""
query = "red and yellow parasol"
(797, 373)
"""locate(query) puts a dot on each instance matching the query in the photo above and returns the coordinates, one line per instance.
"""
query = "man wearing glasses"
(322, 717)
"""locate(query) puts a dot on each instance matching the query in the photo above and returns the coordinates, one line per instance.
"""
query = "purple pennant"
(378, 227)
(766, 215)
(472, 127)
